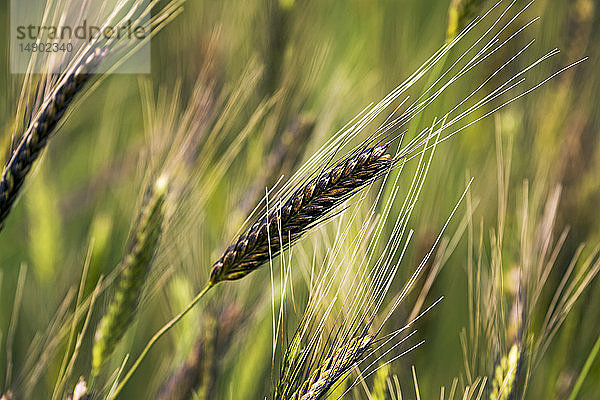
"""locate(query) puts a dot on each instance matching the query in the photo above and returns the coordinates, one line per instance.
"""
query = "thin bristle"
(136, 264)
(43, 125)
(309, 205)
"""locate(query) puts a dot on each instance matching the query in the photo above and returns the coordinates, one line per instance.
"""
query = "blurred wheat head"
(503, 340)
(45, 99)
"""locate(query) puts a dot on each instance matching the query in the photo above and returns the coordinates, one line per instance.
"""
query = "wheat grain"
(307, 207)
(504, 375)
(80, 392)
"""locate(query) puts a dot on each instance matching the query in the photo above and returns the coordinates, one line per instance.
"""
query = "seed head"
(134, 269)
(35, 138)
(333, 369)
(307, 207)
(504, 375)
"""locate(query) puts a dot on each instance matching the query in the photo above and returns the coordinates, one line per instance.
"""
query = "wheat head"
(135, 267)
(308, 206)
(333, 369)
(43, 125)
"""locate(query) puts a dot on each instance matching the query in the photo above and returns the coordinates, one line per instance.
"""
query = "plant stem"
(156, 337)
(586, 368)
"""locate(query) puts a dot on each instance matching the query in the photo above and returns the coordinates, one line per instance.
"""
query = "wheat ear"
(333, 369)
(460, 13)
(505, 374)
(135, 266)
(309, 205)
(43, 125)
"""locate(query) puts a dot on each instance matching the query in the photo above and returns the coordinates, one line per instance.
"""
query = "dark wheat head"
(308, 206)
(36, 136)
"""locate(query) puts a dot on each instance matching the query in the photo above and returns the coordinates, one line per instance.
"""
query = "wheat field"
(302, 200)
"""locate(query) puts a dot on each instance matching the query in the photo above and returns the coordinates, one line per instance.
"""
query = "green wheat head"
(135, 267)
(460, 13)
(504, 375)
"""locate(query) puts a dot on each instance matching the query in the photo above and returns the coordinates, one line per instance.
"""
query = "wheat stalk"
(198, 373)
(73, 82)
(44, 124)
(308, 206)
(135, 267)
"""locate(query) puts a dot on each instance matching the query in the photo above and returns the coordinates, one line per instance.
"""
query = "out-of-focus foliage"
(270, 68)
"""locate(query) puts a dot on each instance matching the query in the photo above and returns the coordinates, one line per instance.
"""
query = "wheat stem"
(586, 369)
(156, 337)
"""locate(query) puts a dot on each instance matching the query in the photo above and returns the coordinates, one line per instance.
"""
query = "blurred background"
(284, 75)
